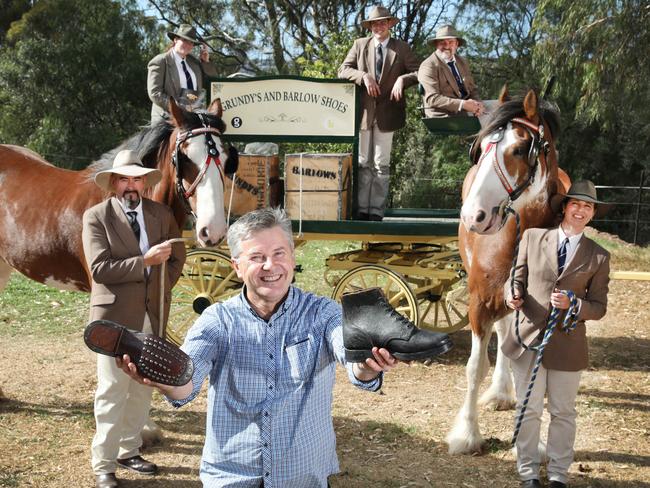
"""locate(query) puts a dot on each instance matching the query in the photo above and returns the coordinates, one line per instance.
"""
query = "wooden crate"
(326, 186)
(257, 184)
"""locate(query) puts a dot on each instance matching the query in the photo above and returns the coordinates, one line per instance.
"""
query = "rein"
(213, 155)
(569, 323)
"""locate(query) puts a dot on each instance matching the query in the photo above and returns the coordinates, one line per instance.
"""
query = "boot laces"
(395, 314)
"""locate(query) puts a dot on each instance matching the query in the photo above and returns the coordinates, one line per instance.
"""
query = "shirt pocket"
(299, 355)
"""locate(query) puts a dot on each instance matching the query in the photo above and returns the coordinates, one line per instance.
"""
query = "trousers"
(121, 411)
(374, 170)
(561, 389)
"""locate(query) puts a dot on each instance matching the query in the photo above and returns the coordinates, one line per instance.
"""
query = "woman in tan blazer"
(539, 278)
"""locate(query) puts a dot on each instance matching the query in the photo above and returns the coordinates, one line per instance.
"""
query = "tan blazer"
(587, 275)
(120, 289)
(399, 61)
(441, 92)
(163, 81)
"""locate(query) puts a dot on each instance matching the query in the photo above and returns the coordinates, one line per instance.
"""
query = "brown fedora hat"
(447, 32)
(185, 31)
(379, 12)
(583, 190)
(127, 163)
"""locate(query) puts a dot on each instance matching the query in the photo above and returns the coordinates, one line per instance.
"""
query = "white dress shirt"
(181, 73)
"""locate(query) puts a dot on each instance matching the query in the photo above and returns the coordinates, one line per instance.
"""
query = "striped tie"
(133, 220)
(561, 255)
(188, 77)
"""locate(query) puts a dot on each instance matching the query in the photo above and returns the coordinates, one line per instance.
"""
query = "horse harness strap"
(213, 155)
(538, 142)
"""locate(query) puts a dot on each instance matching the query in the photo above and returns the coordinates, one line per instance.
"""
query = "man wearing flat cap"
(177, 73)
(449, 87)
(550, 263)
(384, 67)
(124, 239)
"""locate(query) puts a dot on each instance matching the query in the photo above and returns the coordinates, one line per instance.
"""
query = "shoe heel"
(356, 355)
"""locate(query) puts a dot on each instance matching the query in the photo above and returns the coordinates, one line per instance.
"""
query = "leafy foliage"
(72, 93)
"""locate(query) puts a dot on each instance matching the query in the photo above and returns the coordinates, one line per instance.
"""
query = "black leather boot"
(369, 321)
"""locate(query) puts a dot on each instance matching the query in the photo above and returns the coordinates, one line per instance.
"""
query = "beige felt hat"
(379, 12)
(447, 32)
(127, 163)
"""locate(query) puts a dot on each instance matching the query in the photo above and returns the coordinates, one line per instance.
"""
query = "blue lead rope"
(569, 323)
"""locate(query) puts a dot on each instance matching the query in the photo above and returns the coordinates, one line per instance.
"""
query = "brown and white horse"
(42, 205)
(516, 168)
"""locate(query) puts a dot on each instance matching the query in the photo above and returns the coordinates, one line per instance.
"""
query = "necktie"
(379, 62)
(459, 80)
(561, 255)
(134, 224)
(188, 78)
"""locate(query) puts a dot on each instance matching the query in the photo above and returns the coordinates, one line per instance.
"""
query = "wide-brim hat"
(127, 163)
(185, 31)
(583, 190)
(447, 32)
(379, 12)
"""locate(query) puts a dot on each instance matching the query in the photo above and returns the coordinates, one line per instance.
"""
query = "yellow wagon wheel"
(443, 305)
(207, 278)
(394, 286)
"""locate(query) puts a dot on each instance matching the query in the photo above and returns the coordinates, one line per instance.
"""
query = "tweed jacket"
(121, 290)
(586, 274)
(163, 80)
(399, 61)
(441, 93)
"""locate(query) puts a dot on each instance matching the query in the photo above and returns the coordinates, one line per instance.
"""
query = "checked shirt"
(270, 391)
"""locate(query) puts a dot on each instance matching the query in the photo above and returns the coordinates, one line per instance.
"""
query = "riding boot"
(369, 321)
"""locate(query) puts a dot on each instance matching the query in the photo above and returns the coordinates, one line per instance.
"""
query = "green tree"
(73, 78)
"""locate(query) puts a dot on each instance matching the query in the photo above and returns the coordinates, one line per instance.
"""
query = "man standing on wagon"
(124, 238)
(449, 88)
(385, 67)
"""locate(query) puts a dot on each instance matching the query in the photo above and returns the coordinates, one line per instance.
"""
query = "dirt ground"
(393, 439)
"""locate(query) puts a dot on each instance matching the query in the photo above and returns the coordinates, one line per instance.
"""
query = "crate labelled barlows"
(257, 184)
(323, 192)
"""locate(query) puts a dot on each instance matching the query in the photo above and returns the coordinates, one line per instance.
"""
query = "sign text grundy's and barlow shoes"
(369, 321)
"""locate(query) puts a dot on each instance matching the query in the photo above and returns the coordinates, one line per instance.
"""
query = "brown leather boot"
(369, 321)
(155, 358)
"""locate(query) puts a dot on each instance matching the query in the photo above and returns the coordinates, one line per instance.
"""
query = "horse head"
(515, 163)
(200, 161)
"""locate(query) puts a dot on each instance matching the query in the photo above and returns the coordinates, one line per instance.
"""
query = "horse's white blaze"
(480, 211)
(210, 217)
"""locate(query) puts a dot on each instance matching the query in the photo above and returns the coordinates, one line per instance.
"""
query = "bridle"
(213, 155)
(539, 143)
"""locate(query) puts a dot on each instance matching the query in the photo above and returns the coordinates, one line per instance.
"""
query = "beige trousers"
(374, 170)
(561, 389)
(121, 411)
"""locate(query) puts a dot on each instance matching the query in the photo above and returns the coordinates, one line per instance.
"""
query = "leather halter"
(538, 143)
(213, 155)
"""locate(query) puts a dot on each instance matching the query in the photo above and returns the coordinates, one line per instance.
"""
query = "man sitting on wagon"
(449, 88)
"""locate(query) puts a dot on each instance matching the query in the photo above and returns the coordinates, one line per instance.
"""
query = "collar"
(384, 43)
(573, 240)
(177, 57)
(284, 306)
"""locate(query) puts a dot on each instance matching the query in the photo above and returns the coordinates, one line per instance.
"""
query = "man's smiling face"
(265, 264)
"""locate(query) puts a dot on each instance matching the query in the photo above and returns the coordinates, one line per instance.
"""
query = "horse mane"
(510, 109)
(153, 140)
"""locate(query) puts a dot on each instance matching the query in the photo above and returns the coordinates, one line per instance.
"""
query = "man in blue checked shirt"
(270, 356)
